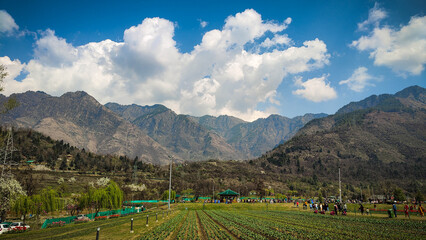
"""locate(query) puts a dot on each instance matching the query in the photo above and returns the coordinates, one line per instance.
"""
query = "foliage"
(101, 218)
(110, 197)
(165, 195)
(22, 205)
(11, 102)
(10, 191)
(398, 194)
(102, 182)
(56, 224)
(136, 188)
(419, 196)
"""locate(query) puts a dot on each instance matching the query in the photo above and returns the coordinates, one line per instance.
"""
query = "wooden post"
(147, 217)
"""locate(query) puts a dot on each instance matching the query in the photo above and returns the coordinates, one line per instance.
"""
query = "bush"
(17, 230)
(81, 220)
(114, 216)
(100, 218)
(56, 224)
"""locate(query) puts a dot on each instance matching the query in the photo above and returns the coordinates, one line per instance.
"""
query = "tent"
(228, 195)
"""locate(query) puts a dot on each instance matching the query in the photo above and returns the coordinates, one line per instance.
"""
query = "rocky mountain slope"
(209, 137)
(77, 118)
(179, 133)
(381, 137)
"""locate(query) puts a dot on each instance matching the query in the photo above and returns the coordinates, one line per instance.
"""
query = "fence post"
(131, 226)
(147, 217)
(97, 233)
(156, 217)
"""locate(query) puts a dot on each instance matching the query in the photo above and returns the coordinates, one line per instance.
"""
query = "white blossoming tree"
(10, 191)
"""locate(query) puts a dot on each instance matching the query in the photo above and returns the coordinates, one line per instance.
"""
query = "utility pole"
(8, 154)
(340, 189)
(213, 191)
(170, 180)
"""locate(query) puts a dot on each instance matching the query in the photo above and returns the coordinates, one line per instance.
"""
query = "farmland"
(237, 221)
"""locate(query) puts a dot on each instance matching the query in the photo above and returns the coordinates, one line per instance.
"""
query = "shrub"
(81, 220)
(114, 216)
(56, 224)
(17, 230)
(100, 218)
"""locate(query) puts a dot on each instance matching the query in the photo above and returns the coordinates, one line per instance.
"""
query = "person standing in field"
(406, 211)
(394, 209)
(361, 209)
(421, 210)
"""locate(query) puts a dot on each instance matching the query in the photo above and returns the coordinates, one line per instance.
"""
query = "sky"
(247, 59)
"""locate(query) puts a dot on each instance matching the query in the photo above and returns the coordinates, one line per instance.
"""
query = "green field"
(237, 221)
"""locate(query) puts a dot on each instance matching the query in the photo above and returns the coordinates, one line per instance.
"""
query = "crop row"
(164, 230)
(189, 229)
(242, 232)
(267, 229)
(342, 227)
(213, 231)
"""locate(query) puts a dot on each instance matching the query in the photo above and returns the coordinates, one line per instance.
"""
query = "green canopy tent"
(228, 194)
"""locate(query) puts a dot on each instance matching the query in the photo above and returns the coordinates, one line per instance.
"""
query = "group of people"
(394, 209)
(324, 207)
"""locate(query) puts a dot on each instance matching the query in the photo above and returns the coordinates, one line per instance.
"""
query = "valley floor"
(238, 221)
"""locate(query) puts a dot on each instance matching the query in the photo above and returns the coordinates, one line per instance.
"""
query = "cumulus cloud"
(359, 80)
(315, 89)
(13, 68)
(221, 75)
(375, 15)
(403, 50)
(276, 40)
(7, 23)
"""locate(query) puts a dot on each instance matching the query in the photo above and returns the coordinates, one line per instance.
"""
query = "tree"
(22, 206)
(115, 195)
(50, 200)
(320, 199)
(398, 194)
(10, 191)
(11, 102)
(165, 195)
(419, 197)
(110, 197)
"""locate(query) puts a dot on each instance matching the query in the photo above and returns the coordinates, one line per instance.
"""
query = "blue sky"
(248, 59)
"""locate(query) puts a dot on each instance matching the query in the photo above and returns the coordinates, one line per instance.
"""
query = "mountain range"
(379, 138)
(152, 133)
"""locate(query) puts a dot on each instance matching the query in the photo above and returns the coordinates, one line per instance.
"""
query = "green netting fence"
(91, 216)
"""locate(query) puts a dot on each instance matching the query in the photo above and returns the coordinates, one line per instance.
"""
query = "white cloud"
(203, 24)
(375, 15)
(7, 23)
(402, 50)
(219, 76)
(315, 89)
(13, 68)
(359, 79)
(276, 40)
